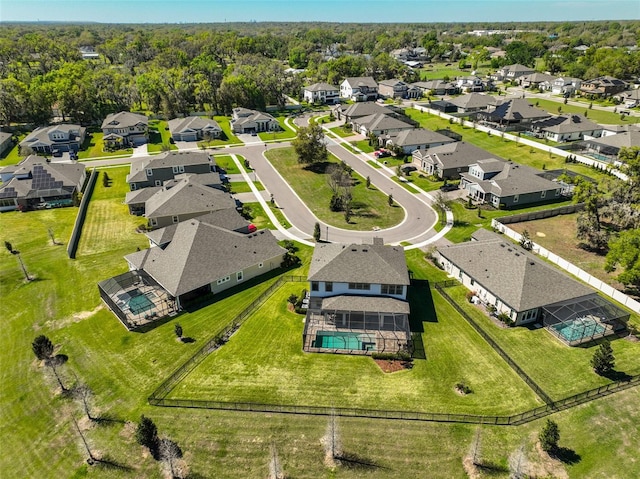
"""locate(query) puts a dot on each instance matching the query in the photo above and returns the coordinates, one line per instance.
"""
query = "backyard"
(370, 207)
(599, 116)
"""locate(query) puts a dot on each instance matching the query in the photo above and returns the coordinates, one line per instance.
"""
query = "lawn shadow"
(107, 420)
(566, 455)
(320, 167)
(187, 340)
(109, 463)
(617, 376)
(353, 461)
(489, 468)
(422, 309)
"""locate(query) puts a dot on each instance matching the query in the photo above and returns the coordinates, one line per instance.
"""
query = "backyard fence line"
(74, 241)
(218, 339)
(158, 397)
(496, 347)
(542, 214)
(581, 274)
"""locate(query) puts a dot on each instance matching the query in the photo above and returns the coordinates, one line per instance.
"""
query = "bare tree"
(518, 464)
(91, 459)
(83, 393)
(331, 441)
(475, 451)
(170, 454)
(275, 468)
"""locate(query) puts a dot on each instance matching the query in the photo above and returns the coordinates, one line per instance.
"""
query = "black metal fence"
(158, 397)
(82, 214)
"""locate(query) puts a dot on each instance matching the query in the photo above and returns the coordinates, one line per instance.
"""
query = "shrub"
(463, 388)
(504, 318)
(549, 436)
(491, 308)
(399, 356)
(470, 295)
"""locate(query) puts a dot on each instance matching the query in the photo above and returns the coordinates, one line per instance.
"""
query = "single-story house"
(358, 110)
(194, 128)
(380, 124)
(321, 93)
(36, 183)
(509, 280)
(417, 139)
(252, 121)
(437, 87)
(449, 160)
(358, 299)
(608, 147)
(473, 102)
(155, 170)
(359, 89)
(566, 128)
(48, 140)
(125, 129)
(508, 185)
(516, 111)
(445, 106)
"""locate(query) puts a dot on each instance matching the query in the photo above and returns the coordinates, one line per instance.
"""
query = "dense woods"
(173, 70)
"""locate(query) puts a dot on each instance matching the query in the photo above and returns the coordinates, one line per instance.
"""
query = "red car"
(382, 154)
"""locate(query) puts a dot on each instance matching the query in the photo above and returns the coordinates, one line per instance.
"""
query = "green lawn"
(599, 116)
(277, 211)
(108, 220)
(363, 145)
(227, 164)
(243, 186)
(159, 137)
(93, 147)
(286, 133)
(12, 155)
(229, 137)
(342, 131)
(370, 206)
(559, 370)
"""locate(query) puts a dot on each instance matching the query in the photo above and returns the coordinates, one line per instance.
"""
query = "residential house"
(88, 53)
(630, 98)
(417, 139)
(178, 201)
(473, 102)
(604, 86)
(352, 112)
(437, 87)
(508, 185)
(566, 128)
(55, 139)
(251, 121)
(6, 141)
(200, 258)
(512, 72)
(194, 128)
(450, 160)
(513, 282)
(536, 80)
(125, 129)
(322, 93)
(608, 147)
(359, 89)
(155, 170)
(513, 113)
(380, 125)
(565, 86)
(445, 106)
(358, 299)
(470, 84)
(398, 89)
(36, 183)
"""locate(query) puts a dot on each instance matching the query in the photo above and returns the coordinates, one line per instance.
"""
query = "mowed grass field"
(370, 207)
(603, 117)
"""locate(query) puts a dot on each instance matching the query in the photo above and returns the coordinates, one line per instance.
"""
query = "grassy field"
(363, 145)
(285, 134)
(370, 207)
(159, 137)
(93, 147)
(243, 186)
(227, 164)
(559, 370)
(599, 116)
(342, 132)
(230, 138)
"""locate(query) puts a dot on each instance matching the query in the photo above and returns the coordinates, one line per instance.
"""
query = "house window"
(149, 172)
(158, 183)
(239, 276)
(315, 286)
(174, 219)
(223, 280)
(328, 287)
(516, 198)
(543, 194)
(392, 289)
(153, 222)
(557, 192)
(359, 286)
(260, 265)
(175, 169)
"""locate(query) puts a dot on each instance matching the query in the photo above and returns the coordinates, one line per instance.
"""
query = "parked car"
(382, 153)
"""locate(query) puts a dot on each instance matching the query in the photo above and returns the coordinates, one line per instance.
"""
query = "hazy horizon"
(356, 11)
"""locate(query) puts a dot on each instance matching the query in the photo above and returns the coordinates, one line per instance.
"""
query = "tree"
(105, 179)
(368, 182)
(603, 360)
(624, 251)
(316, 232)
(170, 452)
(43, 349)
(9, 247)
(549, 436)
(178, 330)
(525, 240)
(147, 436)
(83, 393)
(309, 145)
(518, 464)
(390, 200)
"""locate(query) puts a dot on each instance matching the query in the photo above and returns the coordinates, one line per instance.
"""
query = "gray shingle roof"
(167, 159)
(45, 178)
(372, 304)
(321, 87)
(517, 109)
(201, 253)
(381, 121)
(620, 140)
(358, 110)
(196, 123)
(374, 264)
(514, 275)
(355, 82)
(41, 135)
(473, 100)
(124, 119)
(566, 124)
(457, 154)
(420, 136)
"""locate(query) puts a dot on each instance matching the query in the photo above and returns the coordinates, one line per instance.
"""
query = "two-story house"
(604, 86)
(358, 299)
(508, 185)
(359, 89)
(512, 72)
(194, 128)
(322, 93)
(252, 121)
(470, 84)
(154, 171)
(450, 160)
(398, 89)
(50, 140)
(125, 129)
(565, 86)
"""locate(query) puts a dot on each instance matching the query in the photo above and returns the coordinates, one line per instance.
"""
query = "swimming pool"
(344, 340)
(140, 303)
(578, 329)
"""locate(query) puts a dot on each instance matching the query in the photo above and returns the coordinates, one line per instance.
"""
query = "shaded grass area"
(108, 220)
(559, 370)
(281, 373)
(286, 133)
(259, 217)
(243, 186)
(599, 116)
(93, 146)
(12, 156)
(159, 137)
(370, 207)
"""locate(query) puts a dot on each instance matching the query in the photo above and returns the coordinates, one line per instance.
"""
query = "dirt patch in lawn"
(393, 365)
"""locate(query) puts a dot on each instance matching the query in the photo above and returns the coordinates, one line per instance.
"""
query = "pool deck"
(162, 305)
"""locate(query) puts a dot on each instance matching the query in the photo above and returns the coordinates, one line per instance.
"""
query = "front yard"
(285, 134)
(93, 147)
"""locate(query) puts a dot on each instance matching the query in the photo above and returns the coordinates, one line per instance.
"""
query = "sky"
(361, 11)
